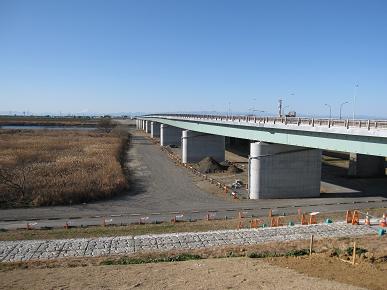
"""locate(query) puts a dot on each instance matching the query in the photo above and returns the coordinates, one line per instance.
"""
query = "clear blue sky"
(115, 56)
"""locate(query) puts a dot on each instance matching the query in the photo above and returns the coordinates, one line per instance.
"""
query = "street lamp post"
(354, 101)
(341, 107)
(330, 110)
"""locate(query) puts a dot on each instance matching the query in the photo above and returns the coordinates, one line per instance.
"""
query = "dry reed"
(60, 167)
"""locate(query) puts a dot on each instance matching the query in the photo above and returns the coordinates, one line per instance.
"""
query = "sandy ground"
(230, 273)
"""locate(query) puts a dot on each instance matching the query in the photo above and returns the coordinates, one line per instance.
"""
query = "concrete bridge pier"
(170, 135)
(361, 165)
(196, 146)
(147, 127)
(155, 130)
(142, 125)
(283, 171)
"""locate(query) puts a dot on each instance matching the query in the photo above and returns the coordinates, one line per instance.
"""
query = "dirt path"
(230, 273)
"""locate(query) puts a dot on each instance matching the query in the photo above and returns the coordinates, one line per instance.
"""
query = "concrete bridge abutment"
(283, 171)
(361, 165)
(170, 135)
(196, 146)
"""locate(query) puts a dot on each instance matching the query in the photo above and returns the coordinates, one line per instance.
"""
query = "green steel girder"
(321, 140)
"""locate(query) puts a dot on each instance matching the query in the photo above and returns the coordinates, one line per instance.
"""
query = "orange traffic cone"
(279, 222)
(312, 219)
(383, 221)
(348, 217)
(304, 221)
(355, 217)
(274, 222)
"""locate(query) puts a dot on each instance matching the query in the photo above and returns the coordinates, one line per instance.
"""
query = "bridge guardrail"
(299, 121)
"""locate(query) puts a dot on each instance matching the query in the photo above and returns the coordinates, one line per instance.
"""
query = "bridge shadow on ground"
(357, 187)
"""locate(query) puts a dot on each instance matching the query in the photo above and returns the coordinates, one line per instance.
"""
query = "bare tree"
(14, 175)
(15, 182)
(105, 123)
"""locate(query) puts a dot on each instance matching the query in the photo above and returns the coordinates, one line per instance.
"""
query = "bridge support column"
(283, 171)
(196, 146)
(155, 130)
(142, 125)
(361, 165)
(147, 126)
(170, 135)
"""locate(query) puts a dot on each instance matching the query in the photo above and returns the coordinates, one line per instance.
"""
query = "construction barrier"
(313, 218)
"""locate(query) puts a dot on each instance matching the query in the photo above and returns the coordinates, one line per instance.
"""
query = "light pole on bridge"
(330, 110)
(341, 107)
(354, 101)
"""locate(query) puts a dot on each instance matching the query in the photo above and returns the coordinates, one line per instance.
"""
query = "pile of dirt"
(225, 163)
(233, 169)
(210, 165)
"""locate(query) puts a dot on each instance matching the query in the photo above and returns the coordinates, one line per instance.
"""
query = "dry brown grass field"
(44, 167)
(47, 121)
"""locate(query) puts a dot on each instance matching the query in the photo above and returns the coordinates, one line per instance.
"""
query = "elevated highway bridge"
(285, 152)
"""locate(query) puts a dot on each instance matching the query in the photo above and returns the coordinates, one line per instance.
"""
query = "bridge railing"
(298, 121)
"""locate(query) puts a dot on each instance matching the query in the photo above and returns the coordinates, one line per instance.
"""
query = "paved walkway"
(12, 251)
